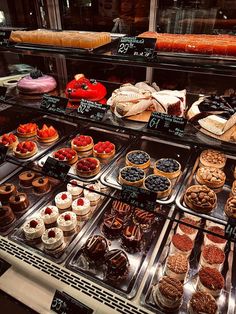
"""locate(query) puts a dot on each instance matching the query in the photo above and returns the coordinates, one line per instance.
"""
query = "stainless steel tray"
(121, 141)
(217, 214)
(225, 301)
(157, 149)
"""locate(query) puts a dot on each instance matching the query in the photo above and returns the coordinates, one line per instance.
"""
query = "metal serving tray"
(34, 198)
(127, 287)
(225, 301)
(157, 149)
(121, 141)
(217, 214)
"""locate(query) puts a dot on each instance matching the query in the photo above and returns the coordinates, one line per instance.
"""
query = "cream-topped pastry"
(74, 189)
(81, 207)
(52, 239)
(63, 200)
(67, 222)
(49, 214)
(93, 197)
(33, 228)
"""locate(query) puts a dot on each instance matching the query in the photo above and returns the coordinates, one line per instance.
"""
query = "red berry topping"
(48, 211)
(64, 197)
(33, 224)
(67, 217)
(74, 182)
(51, 234)
(80, 202)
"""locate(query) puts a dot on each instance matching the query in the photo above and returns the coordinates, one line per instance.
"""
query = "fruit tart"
(27, 129)
(159, 184)
(66, 154)
(131, 176)
(47, 134)
(138, 158)
(104, 150)
(82, 143)
(88, 167)
(25, 149)
(167, 167)
(9, 140)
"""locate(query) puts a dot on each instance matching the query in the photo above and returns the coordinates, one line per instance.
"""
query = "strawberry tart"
(53, 240)
(63, 200)
(82, 143)
(104, 150)
(47, 134)
(33, 229)
(49, 214)
(81, 207)
(9, 140)
(25, 149)
(67, 222)
(27, 130)
(66, 154)
(88, 167)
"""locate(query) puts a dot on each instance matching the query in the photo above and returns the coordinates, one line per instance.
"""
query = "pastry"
(213, 239)
(82, 208)
(67, 222)
(73, 188)
(158, 184)
(233, 189)
(104, 150)
(49, 214)
(82, 143)
(92, 194)
(88, 167)
(26, 178)
(6, 216)
(168, 294)
(131, 176)
(188, 230)
(95, 248)
(202, 303)
(196, 219)
(144, 218)
(167, 167)
(211, 281)
(177, 266)
(230, 207)
(19, 202)
(138, 158)
(27, 130)
(41, 185)
(63, 201)
(182, 244)
(103, 188)
(33, 229)
(66, 154)
(6, 191)
(47, 134)
(25, 149)
(212, 158)
(211, 177)
(53, 240)
(112, 226)
(212, 256)
(9, 140)
(117, 264)
(121, 209)
(132, 237)
(200, 198)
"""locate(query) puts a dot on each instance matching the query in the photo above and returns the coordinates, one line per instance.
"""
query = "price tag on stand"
(136, 46)
(55, 168)
(138, 197)
(4, 37)
(230, 229)
(3, 91)
(54, 104)
(92, 110)
(167, 124)
(63, 303)
(3, 153)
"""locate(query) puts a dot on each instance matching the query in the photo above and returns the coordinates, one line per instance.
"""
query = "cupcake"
(202, 303)
(212, 257)
(33, 229)
(53, 240)
(49, 214)
(73, 188)
(188, 230)
(181, 243)
(91, 194)
(67, 222)
(211, 281)
(63, 201)
(177, 266)
(81, 207)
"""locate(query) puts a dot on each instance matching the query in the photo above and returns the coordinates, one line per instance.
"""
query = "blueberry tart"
(159, 184)
(131, 176)
(138, 158)
(167, 167)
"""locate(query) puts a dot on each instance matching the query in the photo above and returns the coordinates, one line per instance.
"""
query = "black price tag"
(54, 104)
(4, 37)
(138, 197)
(63, 303)
(230, 229)
(92, 110)
(3, 91)
(55, 168)
(3, 153)
(166, 123)
(137, 46)
(4, 266)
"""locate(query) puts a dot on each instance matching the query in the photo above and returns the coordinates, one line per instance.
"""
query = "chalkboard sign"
(63, 303)
(54, 104)
(230, 229)
(92, 110)
(3, 90)
(138, 197)
(55, 168)
(4, 37)
(166, 123)
(4, 266)
(3, 153)
(136, 46)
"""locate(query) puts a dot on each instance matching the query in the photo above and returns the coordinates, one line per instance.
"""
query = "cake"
(144, 218)
(121, 209)
(132, 237)
(213, 239)
(47, 134)
(26, 178)
(81, 207)
(213, 158)
(92, 194)
(112, 226)
(25, 149)
(6, 216)
(9, 140)
(182, 244)
(211, 177)
(82, 143)
(117, 265)
(66, 154)
(95, 248)
(67, 222)
(104, 150)
(138, 158)
(74, 189)
(195, 218)
(41, 185)
(177, 266)
(53, 240)
(6, 191)
(167, 167)
(33, 229)
(63, 201)
(49, 214)
(27, 129)
(19, 202)
(188, 230)
(230, 207)
(212, 256)
(88, 167)
(158, 184)
(202, 303)
(131, 176)
(211, 281)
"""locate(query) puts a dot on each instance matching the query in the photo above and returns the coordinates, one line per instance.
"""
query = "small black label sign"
(55, 168)
(63, 303)
(4, 37)
(166, 123)
(54, 104)
(3, 90)
(230, 229)
(3, 153)
(137, 46)
(4, 266)
(138, 197)
(92, 110)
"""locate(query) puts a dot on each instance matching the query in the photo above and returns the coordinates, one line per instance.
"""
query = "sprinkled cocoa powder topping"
(230, 207)
(171, 288)
(202, 302)
(214, 238)
(187, 229)
(213, 156)
(213, 255)
(178, 263)
(211, 278)
(182, 242)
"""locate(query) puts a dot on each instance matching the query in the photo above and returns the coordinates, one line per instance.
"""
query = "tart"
(82, 143)
(41, 185)
(181, 243)
(95, 248)
(132, 237)
(188, 230)
(167, 167)
(63, 200)
(67, 222)
(177, 266)
(212, 256)
(212, 158)
(200, 198)
(26, 178)
(138, 158)
(82, 208)
(131, 176)
(49, 214)
(112, 226)
(6, 191)
(25, 149)
(104, 150)
(47, 134)
(33, 229)
(202, 302)
(211, 281)
(88, 167)
(9, 140)
(19, 202)
(74, 189)
(66, 154)
(53, 240)
(214, 239)
(27, 130)
(92, 194)
(144, 218)
(6, 216)
(230, 207)
(211, 177)
(233, 189)
(158, 184)
(117, 265)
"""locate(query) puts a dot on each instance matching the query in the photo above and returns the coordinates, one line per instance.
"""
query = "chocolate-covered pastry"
(144, 218)
(121, 209)
(26, 178)
(6, 191)
(117, 264)
(95, 247)
(19, 202)
(112, 226)
(132, 237)
(41, 184)
(6, 216)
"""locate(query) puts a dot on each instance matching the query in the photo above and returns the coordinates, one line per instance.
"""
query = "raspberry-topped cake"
(67, 222)
(25, 149)
(74, 189)
(82, 143)
(47, 134)
(63, 200)
(81, 207)
(33, 229)
(88, 167)
(167, 167)
(138, 158)
(49, 214)
(53, 240)
(27, 129)
(66, 154)
(104, 150)
(9, 140)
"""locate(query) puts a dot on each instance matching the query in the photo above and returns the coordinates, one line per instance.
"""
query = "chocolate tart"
(6, 216)
(41, 184)
(104, 150)
(19, 202)
(82, 143)
(6, 191)
(159, 184)
(117, 264)
(9, 140)
(144, 218)
(212, 158)
(66, 154)
(138, 158)
(132, 237)
(95, 248)
(25, 149)
(88, 167)
(211, 177)
(167, 167)
(230, 207)
(26, 178)
(112, 226)
(131, 176)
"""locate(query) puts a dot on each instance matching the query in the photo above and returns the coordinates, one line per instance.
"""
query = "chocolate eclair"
(112, 226)
(41, 184)
(117, 264)
(95, 247)
(132, 237)
(19, 202)
(26, 178)
(6, 191)
(6, 216)
(144, 218)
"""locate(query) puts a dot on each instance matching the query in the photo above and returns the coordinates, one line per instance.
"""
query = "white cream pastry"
(74, 189)
(52, 239)
(67, 222)
(49, 214)
(63, 200)
(81, 207)
(33, 228)
(93, 196)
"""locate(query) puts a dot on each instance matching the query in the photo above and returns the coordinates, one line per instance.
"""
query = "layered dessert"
(82, 143)
(88, 167)
(117, 265)
(230, 207)
(138, 159)
(121, 209)
(19, 202)
(112, 226)
(104, 150)
(181, 244)
(26, 178)
(212, 177)
(63, 200)
(167, 167)
(33, 229)
(95, 248)
(177, 266)
(212, 256)
(214, 239)
(144, 218)
(202, 302)
(49, 214)
(211, 281)
(131, 176)
(47, 134)
(27, 129)
(73, 188)
(92, 194)
(66, 155)
(53, 240)
(67, 222)
(158, 184)
(41, 185)
(194, 218)
(213, 158)
(25, 149)
(9, 140)
(187, 229)
(6, 216)
(82, 208)
(132, 237)
(6, 191)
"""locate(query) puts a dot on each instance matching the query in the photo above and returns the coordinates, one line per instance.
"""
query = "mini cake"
(49, 214)
(212, 158)
(121, 209)
(95, 248)
(63, 201)
(233, 189)
(131, 176)
(81, 207)
(103, 188)
(91, 194)
(196, 219)
(182, 244)
(230, 207)
(74, 189)
(6, 191)
(167, 167)
(53, 240)
(213, 239)
(200, 198)
(25, 149)
(168, 293)
(104, 150)
(212, 257)
(202, 303)
(177, 266)
(26, 178)
(27, 130)
(188, 230)
(66, 155)
(112, 226)
(210, 280)
(88, 167)
(9, 140)
(138, 159)
(6, 216)
(132, 237)
(19, 202)
(82, 143)
(47, 134)
(117, 265)
(211, 177)
(144, 218)
(159, 184)
(41, 185)
(67, 222)
(33, 229)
